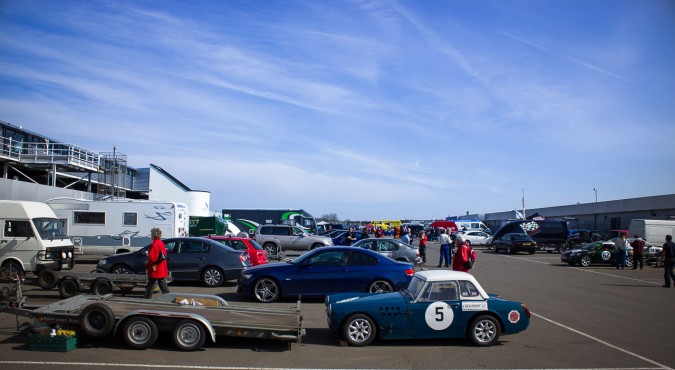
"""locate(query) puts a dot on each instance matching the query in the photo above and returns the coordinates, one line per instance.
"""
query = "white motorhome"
(107, 227)
(32, 239)
(653, 231)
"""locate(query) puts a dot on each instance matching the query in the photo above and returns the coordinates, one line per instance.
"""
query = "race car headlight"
(64, 255)
(70, 254)
(246, 276)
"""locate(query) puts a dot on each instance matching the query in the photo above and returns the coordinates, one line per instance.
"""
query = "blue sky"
(367, 109)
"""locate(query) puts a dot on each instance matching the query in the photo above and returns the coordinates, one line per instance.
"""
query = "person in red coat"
(157, 268)
(462, 255)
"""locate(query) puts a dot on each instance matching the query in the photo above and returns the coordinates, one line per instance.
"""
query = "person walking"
(423, 246)
(620, 245)
(668, 256)
(638, 252)
(445, 241)
(157, 268)
(461, 258)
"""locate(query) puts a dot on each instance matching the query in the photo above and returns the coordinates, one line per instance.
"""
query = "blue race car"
(437, 304)
(324, 271)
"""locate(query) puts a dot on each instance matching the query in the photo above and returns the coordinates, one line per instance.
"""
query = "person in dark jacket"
(638, 252)
(668, 256)
(157, 268)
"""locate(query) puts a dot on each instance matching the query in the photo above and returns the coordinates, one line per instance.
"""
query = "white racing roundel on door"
(439, 315)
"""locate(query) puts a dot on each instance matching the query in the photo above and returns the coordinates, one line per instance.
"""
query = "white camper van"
(653, 231)
(32, 238)
(107, 227)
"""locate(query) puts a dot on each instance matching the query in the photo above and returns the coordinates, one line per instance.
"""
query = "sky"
(365, 109)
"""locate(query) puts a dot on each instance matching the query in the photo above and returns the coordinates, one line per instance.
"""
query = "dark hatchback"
(514, 242)
(188, 259)
(324, 271)
(600, 252)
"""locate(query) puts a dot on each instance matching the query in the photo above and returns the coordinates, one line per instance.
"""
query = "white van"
(653, 231)
(32, 239)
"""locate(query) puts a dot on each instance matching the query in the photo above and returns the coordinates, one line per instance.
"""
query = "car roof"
(444, 275)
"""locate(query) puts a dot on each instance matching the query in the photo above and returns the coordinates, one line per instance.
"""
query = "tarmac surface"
(597, 317)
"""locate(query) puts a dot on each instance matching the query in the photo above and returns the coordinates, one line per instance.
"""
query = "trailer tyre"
(140, 332)
(97, 320)
(68, 288)
(189, 335)
(47, 279)
(101, 287)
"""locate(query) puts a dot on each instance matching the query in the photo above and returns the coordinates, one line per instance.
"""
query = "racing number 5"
(439, 313)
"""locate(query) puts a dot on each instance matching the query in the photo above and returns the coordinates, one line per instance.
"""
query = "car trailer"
(190, 318)
(100, 283)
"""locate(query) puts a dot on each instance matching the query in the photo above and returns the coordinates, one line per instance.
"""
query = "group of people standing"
(464, 256)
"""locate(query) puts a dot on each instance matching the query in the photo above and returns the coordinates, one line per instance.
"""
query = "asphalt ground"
(596, 317)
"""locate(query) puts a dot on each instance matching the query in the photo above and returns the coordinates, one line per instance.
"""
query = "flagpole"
(524, 215)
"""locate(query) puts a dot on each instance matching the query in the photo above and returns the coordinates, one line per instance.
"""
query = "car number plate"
(65, 266)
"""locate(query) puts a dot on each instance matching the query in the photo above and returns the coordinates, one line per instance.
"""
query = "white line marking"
(661, 366)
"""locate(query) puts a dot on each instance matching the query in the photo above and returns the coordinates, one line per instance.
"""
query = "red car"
(255, 251)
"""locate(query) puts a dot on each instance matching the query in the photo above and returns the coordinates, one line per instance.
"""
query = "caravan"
(107, 227)
(31, 238)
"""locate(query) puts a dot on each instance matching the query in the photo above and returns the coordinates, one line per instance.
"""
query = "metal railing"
(47, 153)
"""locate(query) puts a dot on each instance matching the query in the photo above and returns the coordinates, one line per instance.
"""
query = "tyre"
(68, 288)
(266, 290)
(97, 320)
(47, 279)
(13, 268)
(213, 277)
(316, 245)
(121, 269)
(585, 261)
(101, 287)
(484, 330)
(140, 332)
(508, 250)
(629, 261)
(189, 335)
(380, 286)
(271, 249)
(359, 330)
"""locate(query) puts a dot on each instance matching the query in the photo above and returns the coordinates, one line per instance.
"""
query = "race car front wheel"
(359, 330)
(484, 330)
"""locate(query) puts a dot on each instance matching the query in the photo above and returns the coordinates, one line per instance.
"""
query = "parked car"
(392, 248)
(476, 237)
(280, 238)
(325, 271)
(600, 252)
(188, 259)
(256, 253)
(550, 235)
(514, 242)
(436, 304)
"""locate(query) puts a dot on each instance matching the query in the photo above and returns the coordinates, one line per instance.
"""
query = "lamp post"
(595, 210)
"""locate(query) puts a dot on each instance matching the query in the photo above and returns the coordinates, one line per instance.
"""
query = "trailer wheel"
(101, 287)
(97, 320)
(47, 279)
(140, 332)
(68, 288)
(189, 335)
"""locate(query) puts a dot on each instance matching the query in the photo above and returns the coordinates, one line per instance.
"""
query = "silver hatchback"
(392, 248)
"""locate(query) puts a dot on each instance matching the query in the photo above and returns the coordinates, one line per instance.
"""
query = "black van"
(550, 235)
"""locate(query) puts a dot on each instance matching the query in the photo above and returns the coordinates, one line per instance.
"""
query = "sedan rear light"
(410, 272)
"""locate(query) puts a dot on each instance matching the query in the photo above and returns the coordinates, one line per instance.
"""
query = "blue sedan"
(324, 271)
(437, 304)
